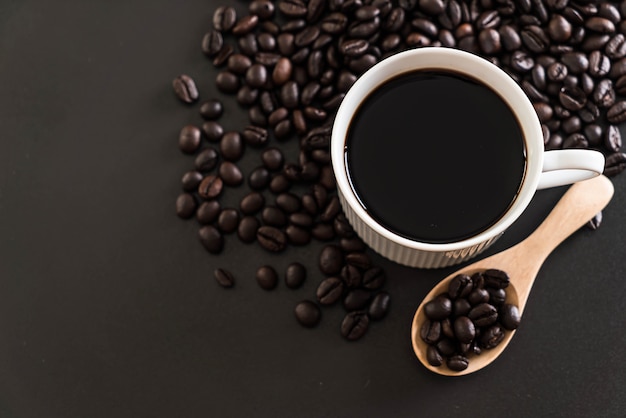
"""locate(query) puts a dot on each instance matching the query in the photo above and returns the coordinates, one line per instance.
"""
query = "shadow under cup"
(434, 162)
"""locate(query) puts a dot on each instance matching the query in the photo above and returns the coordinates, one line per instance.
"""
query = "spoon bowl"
(522, 263)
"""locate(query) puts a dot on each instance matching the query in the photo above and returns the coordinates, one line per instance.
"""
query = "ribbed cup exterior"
(411, 257)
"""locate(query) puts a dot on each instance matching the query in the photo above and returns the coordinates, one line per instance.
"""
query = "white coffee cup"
(543, 168)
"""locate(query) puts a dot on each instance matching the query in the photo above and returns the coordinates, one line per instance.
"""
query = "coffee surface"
(435, 156)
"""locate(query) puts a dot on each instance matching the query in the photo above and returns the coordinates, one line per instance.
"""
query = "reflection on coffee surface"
(435, 156)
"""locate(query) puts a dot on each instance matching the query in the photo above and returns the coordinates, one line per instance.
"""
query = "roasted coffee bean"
(267, 277)
(189, 139)
(594, 134)
(354, 47)
(185, 88)
(576, 62)
(279, 183)
(354, 244)
(354, 325)
(438, 308)
(489, 41)
(615, 163)
(297, 235)
(231, 146)
(478, 296)
(259, 178)
(191, 180)
(256, 76)
(308, 313)
(374, 278)
(433, 357)
(559, 28)
(301, 219)
(496, 278)
(464, 329)
(288, 202)
(457, 363)
(603, 94)
(330, 290)
(430, 331)
(213, 131)
(210, 187)
(571, 125)
(509, 316)
(266, 42)
(185, 205)
(271, 215)
(290, 94)
(251, 203)
(264, 9)
(332, 210)
(613, 139)
(334, 23)
(222, 56)
(599, 64)
(306, 36)
(363, 29)
(461, 306)
(247, 229)
(534, 38)
(544, 111)
(492, 336)
(212, 43)
(211, 109)
(245, 25)
(272, 158)
(379, 306)
(557, 71)
(351, 276)
(483, 314)
(224, 18)
(573, 98)
(227, 82)
(331, 260)
(616, 46)
(228, 220)
(600, 24)
(292, 8)
(272, 239)
(282, 71)
(224, 277)
(277, 116)
(356, 299)
(255, 136)
(522, 62)
(230, 174)
(509, 37)
(211, 238)
(208, 211)
(460, 286)
(496, 296)
(617, 113)
(295, 275)
(358, 259)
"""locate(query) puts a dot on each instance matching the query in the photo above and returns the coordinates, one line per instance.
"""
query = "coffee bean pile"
(290, 62)
(470, 317)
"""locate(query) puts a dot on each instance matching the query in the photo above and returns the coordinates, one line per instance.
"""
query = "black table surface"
(108, 306)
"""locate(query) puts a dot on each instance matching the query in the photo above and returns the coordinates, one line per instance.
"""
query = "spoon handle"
(578, 205)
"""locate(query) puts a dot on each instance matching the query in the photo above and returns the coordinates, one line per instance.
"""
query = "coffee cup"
(436, 152)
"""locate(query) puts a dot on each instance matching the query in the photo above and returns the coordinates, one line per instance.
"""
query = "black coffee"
(435, 156)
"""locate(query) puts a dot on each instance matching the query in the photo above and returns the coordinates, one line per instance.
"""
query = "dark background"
(108, 307)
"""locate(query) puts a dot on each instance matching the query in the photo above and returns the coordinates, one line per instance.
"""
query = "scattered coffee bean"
(271, 238)
(308, 313)
(295, 275)
(185, 205)
(379, 306)
(185, 88)
(267, 277)
(211, 238)
(210, 187)
(355, 325)
(224, 278)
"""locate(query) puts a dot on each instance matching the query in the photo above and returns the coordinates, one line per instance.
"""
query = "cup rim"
(441, 58)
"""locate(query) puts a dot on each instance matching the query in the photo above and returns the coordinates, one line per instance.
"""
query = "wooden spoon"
(522, 262)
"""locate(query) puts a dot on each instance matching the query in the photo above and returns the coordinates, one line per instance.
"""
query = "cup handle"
(567, 166)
